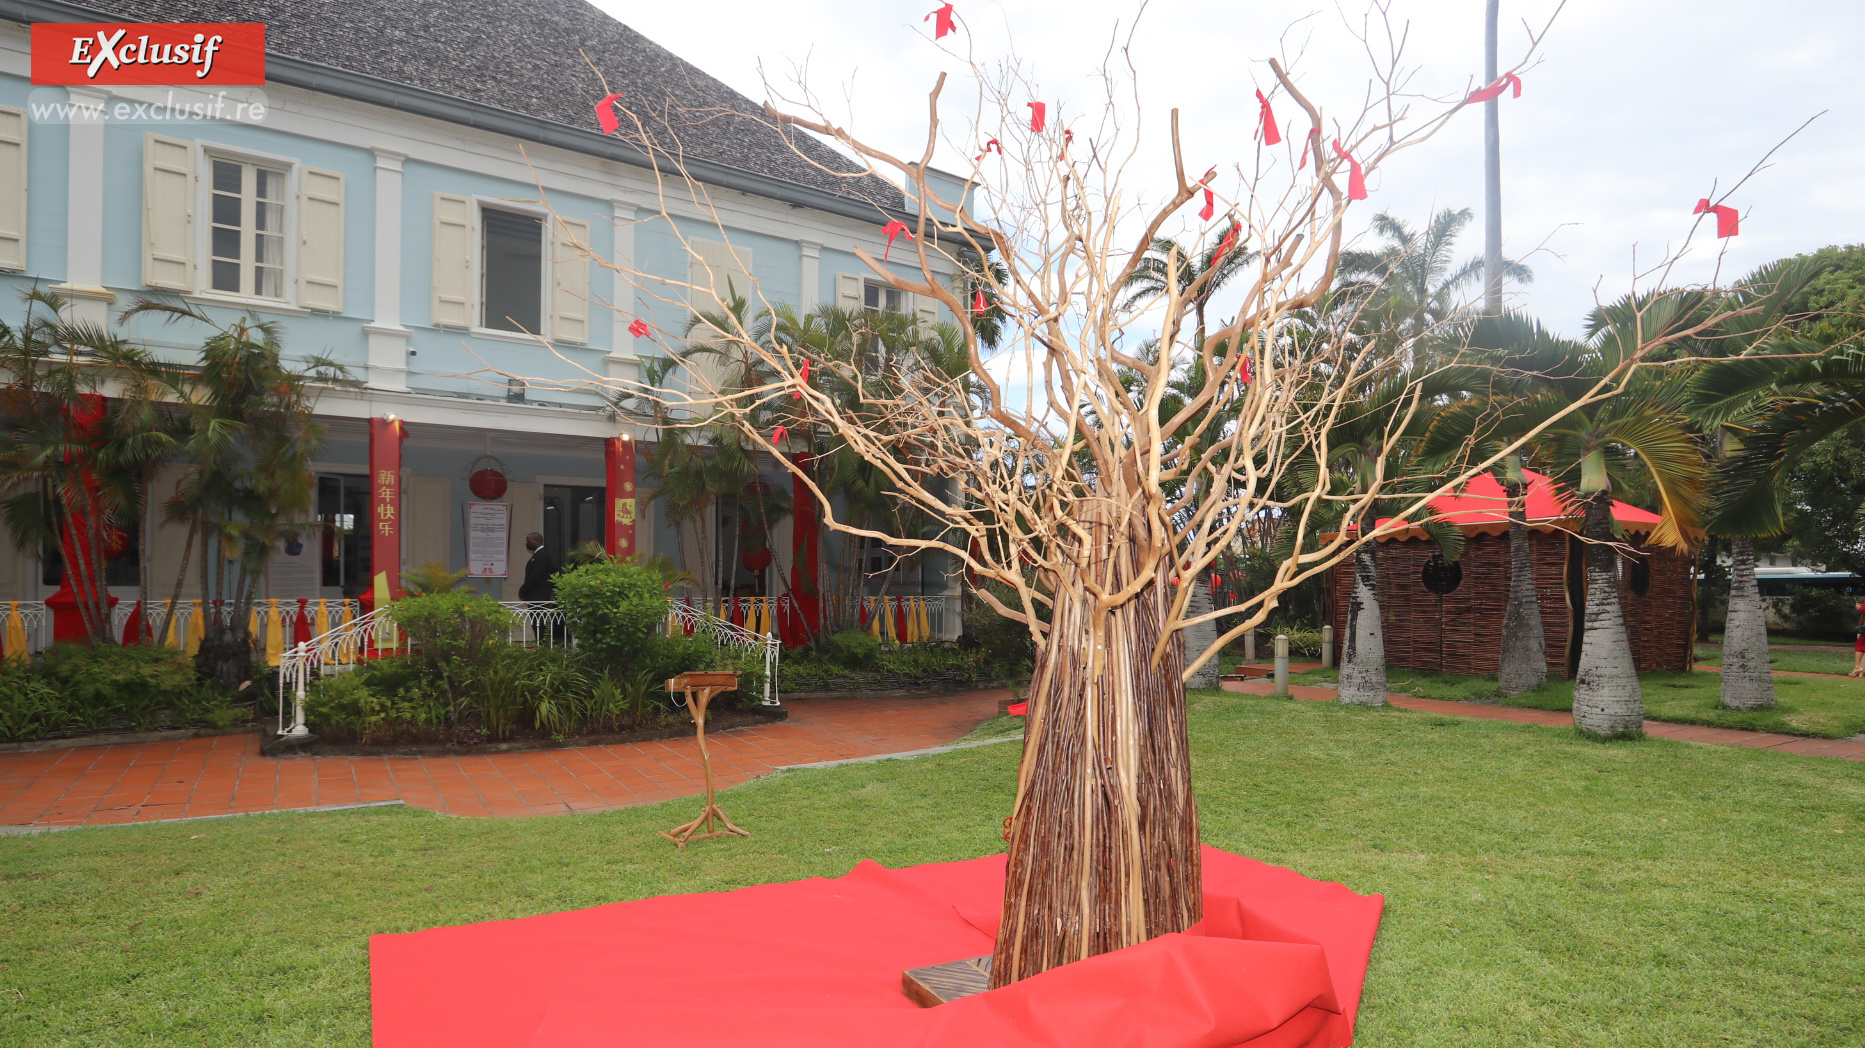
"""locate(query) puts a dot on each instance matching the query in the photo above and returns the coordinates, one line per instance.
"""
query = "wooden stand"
(936, 984)
(699, 688)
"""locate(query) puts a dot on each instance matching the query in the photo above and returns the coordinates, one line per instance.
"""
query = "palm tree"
(1170, 267)
(1410, 286)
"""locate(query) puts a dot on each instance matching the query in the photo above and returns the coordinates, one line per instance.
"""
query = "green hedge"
(76, 689)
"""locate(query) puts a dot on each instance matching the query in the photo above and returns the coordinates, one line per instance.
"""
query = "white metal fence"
(538, 624)
(25, 628)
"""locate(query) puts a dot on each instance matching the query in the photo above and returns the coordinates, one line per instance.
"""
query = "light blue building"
(380, 199)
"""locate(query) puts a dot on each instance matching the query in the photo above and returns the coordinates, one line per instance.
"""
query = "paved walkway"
(1844, 749)
(225, 775)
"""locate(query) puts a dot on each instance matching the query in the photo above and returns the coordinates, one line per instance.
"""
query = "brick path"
(225, 775)
(1845, 749)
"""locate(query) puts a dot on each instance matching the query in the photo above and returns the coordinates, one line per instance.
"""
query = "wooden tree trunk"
(1104, 837)
(1524, 661)
(1748, 684)
(1363, 650)
(1607, 699)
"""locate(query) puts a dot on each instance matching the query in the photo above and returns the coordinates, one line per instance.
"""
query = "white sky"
(1636, 108)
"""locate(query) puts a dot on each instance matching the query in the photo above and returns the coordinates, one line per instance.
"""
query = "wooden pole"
(698, 690)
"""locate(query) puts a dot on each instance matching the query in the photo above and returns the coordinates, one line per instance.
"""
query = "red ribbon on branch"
(1728, 220)
(1356, 179)
(1495, 90)
(993, 144)
(605, 114)
(1067, 137)
(894, 229)
(1312, 135)
(1210, 206)
(1039, 114)
(803, 377)
(777, 436)
(639, 328)
(1267, 118)
(1224, 246)
(977, 303)
(944, 24)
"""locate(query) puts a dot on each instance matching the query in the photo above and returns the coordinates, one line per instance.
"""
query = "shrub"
(458, 633)
(1822, 613)
(103, 684)
(1005, 644)
(854, 649)
(377, 704)
(30, 708)
(612, 610)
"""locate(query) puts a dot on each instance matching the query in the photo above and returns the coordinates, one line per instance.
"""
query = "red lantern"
(487, 484)
(756, 559)
(116, 541)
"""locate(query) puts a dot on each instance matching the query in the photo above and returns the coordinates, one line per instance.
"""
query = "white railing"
(925, 618)
(34, 622)
(538, 624)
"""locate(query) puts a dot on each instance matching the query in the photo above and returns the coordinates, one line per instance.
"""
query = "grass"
(1821, 707)
(1790, 661)
(1541, 889)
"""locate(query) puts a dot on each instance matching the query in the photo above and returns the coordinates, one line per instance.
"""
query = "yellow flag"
(320, 624)
(196, 628)
(174, 616)
(275, 635)
(16, 633)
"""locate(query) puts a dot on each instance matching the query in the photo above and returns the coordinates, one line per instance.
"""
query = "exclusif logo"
(159, 54)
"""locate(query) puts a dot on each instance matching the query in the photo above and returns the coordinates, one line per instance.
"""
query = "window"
(343, 549)
(880, 298)
(572, 517)
(512, 247)
(246, 245)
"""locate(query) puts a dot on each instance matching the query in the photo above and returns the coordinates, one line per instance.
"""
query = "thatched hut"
(1448, 617)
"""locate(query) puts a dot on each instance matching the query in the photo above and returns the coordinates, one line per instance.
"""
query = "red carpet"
(1277, 963)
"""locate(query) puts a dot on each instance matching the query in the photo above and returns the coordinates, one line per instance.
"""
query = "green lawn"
(1814, 661)
(1821, 707)
(1541, 889)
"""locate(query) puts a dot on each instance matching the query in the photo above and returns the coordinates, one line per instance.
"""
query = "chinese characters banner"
(618, 530)
(385, 437)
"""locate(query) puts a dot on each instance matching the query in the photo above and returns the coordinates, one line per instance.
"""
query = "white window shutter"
(168, 213)
(320, 242)
(847, 291)
(926, 308)
(453, 261)
(12, 188)
(569, 318)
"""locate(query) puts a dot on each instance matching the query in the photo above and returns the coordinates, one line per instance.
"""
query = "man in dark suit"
(538, 584)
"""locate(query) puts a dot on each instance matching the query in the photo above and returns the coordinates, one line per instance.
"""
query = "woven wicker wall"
(1461, 631)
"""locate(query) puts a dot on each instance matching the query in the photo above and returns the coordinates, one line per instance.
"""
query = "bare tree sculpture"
(1066, 467)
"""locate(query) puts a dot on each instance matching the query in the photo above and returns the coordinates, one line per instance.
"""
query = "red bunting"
(1267, 118)
(894, 229)
(605, 114)
(777, 437)
(977, 303)
(639, 328)
(944, 24)
(1356, 179)
(1039, 113)
(1728, 220)
(1210, 206)
(988, 147)
(1495, 90)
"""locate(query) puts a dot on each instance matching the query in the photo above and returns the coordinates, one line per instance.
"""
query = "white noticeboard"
(488, 538)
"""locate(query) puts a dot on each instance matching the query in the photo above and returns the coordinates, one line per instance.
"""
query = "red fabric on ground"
(1278, 962)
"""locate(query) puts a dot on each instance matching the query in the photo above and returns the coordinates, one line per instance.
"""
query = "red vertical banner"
(385, 437)
(618, 528)
(805, 545)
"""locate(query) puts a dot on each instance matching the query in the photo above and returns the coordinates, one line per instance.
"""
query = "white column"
(388, 339)
(811, 268)
(623, 362)
(84, 210)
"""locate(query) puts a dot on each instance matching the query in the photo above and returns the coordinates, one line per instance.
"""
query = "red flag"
(1356, 180)
(605, 114)
(1210, 206)
(1495, 90)
(639, 328)
(1039, 112)
(1224, 246)
(1067, 136)
(1271, 136)
(803, 377)
(894, 229)
(805, 372)
(977, 303)
(944, 24)
(988, 147)
(1246, 371)
(777, 437)
(1728, 220)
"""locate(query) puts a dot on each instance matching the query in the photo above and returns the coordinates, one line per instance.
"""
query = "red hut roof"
(1483, 507)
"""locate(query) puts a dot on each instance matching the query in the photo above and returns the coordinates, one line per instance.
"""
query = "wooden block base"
(936, 984)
